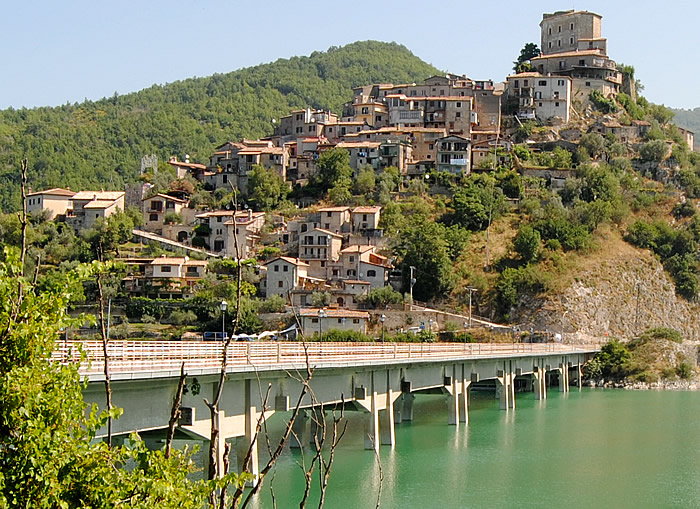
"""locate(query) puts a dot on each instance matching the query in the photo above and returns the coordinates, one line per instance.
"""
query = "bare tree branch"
(175, 411)
(105, 343)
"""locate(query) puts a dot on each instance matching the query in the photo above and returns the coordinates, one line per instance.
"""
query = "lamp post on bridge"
(382, 319)
(223, 307)
(321, 315)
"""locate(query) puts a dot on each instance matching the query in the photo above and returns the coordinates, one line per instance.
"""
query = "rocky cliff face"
(619, 293)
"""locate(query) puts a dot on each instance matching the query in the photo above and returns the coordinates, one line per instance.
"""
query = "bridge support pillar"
(386, 427)
(464, 402)
(453, 398)
(372, 438)
(249, 440)
(398, 404)
(563, 377)
(579, 373)
(505, 389)
(407, 407)
(300, 431)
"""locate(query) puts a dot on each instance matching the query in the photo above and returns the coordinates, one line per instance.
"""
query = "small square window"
(280, 284)
(286, 268)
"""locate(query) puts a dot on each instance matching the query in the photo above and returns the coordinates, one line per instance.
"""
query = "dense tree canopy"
(98, 144)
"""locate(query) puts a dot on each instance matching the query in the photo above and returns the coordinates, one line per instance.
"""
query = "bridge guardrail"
(141, 356)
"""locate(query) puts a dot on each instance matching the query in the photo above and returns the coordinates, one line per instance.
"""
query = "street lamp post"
(321, 315)
(223, 307)
(430, 325)
(382, 319)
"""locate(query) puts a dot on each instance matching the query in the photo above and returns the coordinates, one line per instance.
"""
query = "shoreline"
(663, 385)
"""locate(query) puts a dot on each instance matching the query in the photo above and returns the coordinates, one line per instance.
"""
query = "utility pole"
(636, 314)
(411, 283)
(493, 169)
(471, 290)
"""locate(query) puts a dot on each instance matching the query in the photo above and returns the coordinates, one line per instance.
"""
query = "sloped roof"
(56, 191)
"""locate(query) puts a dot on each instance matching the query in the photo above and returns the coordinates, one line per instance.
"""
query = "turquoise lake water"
(594, 448)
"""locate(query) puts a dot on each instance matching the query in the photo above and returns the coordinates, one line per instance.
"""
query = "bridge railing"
(140, 356)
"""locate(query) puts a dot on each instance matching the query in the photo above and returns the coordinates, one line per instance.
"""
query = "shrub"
(137, 307)
(273, 304)
(685, 209)
(663, 333)
(613, 358)
(180, 317)
(684, 370)
(527, 243)
(654, 151)
(602, 103)
(344, 336)
(380, 297)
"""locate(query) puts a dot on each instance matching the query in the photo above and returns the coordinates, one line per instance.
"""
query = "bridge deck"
(149, 359)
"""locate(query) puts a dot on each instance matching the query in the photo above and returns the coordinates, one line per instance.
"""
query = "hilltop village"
(328, 209)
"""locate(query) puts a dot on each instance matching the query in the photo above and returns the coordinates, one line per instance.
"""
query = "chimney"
(250, 214)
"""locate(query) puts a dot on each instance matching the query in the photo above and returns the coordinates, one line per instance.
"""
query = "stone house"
(156, 207)
(89, 206)
(319, 321)
(55, 201)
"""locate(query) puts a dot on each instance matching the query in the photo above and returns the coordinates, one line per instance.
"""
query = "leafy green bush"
(137, 307)
(180, 317)
(380, 297)
(613, 358)
(273, 304)
(685, 370)
(343, 336)
(527, 243)
(602, 103)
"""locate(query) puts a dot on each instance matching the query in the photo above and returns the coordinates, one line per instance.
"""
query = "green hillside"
(689, 119)
(100, 143)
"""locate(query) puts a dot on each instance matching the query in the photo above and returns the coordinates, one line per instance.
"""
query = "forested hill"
(100, 143)
(689, 119)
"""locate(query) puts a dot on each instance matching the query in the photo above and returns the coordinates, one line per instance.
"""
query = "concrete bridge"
(378, 379)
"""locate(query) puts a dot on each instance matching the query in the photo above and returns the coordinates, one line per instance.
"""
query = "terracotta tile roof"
(98, 195)
(98, 204)
(586, 52)
(327, 232)
(165, 196)
(293, 261)
(366, 210)
(333, 209)
(355, 282)
(56, 191)
(334, 313)
(357, 249)
(358, 144)
(195, 166)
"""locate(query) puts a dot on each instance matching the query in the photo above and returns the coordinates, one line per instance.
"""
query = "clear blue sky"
(56, 52)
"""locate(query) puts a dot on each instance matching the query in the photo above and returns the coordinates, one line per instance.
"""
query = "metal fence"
(151, 356)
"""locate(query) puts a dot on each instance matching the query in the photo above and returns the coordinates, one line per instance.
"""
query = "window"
(314, 320)
(550, 44)
(285, 268)
(458, 115)
(169, 204)
(571, 27)
(542, 83)
(430, 146)
(311, 128)
(352, 259)
(556, 104)
(559, 43)
(559, 29)
(153, 217)
(355, 320)
(340, 320)
(218, 219)
(166, 268)
(588, 83)
(560, 83)
(571, 41)
(582, 62)
(371, 273)
(525, 82)
(540, 105)
(280, 284)
(549, 31)
(459, 104)
(323, 263)
(277, 268)
(329, 214)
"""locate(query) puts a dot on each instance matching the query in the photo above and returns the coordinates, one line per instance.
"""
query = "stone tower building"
(566, 31)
